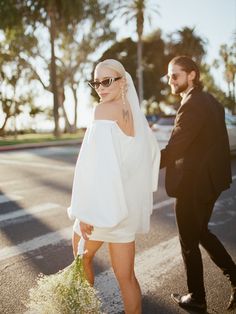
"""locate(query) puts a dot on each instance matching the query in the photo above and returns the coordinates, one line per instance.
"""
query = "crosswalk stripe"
(44, 240)
(151, 267)
(36, 164)
(28, 211)
(50, 238)
(36, 243)
(10, 182)
(6, 198)
(164, 203)
(163, 257)
(47, 206)
(9, 198)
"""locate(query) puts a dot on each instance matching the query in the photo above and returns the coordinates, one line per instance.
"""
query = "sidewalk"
(6, 148)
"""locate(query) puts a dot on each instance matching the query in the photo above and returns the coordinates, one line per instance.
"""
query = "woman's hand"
(85, 230)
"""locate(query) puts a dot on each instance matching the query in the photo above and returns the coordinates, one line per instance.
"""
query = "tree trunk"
(234, 95)
(140, 69)
(2, 128)
(233, 89)
(76, 106)
(61, 99)
(139, 26)
(53, 73)
(68, 126)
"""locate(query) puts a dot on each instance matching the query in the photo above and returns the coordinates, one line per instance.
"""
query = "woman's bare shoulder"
(105, 111)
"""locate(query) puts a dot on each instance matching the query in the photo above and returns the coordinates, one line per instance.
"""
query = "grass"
(38, 138)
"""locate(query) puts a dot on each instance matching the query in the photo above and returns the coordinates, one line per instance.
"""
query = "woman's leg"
(91, 247)
(122, 259)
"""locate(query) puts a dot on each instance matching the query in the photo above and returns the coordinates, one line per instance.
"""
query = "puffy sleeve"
(98, 196)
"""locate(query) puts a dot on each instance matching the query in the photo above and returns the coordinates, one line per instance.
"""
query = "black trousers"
(192, 217)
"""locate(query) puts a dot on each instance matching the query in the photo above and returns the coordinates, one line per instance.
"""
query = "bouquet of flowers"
(65, 292)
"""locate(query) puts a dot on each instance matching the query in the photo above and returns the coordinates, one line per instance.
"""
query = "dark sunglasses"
(105, 83)
(174, 77)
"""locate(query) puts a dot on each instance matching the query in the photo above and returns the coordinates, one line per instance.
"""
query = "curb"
(6, 148)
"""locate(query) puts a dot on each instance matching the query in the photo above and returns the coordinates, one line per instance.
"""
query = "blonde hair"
(113, 65)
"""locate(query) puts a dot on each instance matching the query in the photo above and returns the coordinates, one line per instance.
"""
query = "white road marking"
(151, 266)
(233, 177)
(52, 237)
(36, 164)
(28, 211)
(9, 198)
(36, 243)
(39, 152)
(6, 183)
(6, 198)
(27, 190)
(163, 203)
(27, 181)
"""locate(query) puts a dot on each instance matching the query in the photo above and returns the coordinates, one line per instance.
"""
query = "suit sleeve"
(189, 121)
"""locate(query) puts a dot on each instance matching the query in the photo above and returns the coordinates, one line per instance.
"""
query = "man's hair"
(188, 65)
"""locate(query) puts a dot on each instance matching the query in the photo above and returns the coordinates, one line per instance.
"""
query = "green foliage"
(154, 62)
(10, 14)
(154, 65)
(186, 42)
(75, 30)
(156, 55)
(138, 11)
(210, 86)
(28, 137)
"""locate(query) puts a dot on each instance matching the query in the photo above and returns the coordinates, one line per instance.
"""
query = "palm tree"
(187, 42)
(228, 56)
(136, 11)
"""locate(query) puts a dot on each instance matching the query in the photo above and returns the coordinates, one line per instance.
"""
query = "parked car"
(152, 119)
(230, 121)
(163, 128)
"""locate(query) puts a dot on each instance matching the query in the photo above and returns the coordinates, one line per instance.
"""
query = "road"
(35, 189)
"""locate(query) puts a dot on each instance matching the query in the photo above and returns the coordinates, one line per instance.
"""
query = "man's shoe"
(232, 300)
(188, 302)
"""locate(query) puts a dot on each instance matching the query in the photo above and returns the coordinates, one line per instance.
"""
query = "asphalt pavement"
(35, 237)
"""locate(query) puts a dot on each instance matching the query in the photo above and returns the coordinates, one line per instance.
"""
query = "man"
(197, 161)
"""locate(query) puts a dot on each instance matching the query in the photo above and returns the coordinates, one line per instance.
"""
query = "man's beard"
(180, 89)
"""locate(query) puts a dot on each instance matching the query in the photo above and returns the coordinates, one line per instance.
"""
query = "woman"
(115, 175)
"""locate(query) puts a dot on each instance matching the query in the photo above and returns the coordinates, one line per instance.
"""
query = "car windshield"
(230, 120)
(166, 121)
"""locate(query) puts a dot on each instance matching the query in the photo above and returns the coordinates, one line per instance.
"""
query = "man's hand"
(85, 230)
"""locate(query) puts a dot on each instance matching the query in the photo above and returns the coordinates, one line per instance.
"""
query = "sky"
(214, 20)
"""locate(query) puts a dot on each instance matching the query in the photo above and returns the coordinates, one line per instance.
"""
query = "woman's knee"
(88, 257)
(91, 247)
(124, 275)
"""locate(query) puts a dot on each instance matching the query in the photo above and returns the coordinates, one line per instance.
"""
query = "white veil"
(145, 145)
(145, 165)
(140, 122)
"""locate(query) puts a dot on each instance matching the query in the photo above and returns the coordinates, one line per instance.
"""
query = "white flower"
(66, 292)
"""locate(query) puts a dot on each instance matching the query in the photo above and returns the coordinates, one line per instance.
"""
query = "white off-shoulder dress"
(114, 182)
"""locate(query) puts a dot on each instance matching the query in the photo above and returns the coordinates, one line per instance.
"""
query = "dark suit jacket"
(197, 156)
